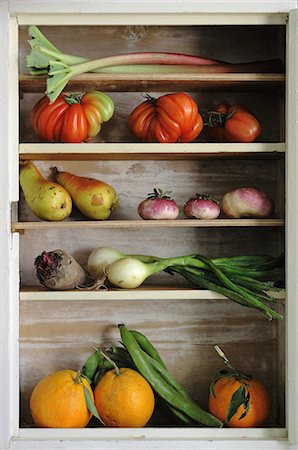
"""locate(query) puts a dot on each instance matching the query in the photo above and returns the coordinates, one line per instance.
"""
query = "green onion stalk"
(227, 276)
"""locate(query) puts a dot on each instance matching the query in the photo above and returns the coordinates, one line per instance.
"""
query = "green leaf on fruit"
(240, 397)
(90, 405)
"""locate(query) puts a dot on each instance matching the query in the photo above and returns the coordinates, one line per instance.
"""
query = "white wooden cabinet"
(39, 328)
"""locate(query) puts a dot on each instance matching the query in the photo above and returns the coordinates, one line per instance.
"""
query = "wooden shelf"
(208, 434)
(161, 82)
(142, 293)
(21, 227)
(152, 151)
(37, 293)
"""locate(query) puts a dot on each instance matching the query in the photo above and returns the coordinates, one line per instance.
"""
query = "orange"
(125, 399)
(58, 401)
(259, 402)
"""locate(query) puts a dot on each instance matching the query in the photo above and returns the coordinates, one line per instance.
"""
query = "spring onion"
(247, 280)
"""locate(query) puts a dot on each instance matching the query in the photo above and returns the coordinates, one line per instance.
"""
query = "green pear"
(46, 199)
(94, 198)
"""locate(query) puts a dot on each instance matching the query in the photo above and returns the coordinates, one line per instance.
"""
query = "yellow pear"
(94, 198)
(46, 199)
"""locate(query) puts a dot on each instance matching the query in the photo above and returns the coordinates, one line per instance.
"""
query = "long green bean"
(146, 345)
(161, 387)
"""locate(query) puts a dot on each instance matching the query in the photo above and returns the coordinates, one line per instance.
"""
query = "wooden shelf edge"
(134, 82)
(127, 151)
(143, 293)
(20, 227)
(241, 434)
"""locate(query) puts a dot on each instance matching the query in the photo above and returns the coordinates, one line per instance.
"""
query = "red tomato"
(232, 124)
(170, 118)
(71, 118)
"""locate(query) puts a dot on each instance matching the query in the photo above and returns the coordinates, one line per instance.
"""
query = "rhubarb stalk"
(60, 67)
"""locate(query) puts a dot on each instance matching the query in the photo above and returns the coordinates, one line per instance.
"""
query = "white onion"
(100, 259)
(127, 273)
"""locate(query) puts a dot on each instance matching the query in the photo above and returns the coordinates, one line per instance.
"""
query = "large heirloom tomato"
(71, 118)
(232, 124)
(170, 118)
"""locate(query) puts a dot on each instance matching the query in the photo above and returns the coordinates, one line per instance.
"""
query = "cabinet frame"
(13, 437)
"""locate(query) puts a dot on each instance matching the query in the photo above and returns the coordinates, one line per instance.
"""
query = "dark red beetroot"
(158, 206)
(58, 271)
(202, 207)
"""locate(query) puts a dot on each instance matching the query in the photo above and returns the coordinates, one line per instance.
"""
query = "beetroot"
(58, 271)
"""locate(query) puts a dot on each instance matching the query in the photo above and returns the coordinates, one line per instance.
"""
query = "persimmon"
(237, 399)
(58, 401)
(124, 398)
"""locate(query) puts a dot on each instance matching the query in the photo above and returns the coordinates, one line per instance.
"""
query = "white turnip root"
(202, 207)
(158, 206)
(247, 202)
(58, 271)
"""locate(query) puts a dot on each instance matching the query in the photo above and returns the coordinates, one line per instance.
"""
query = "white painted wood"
(101, 17)
(153, 149)
(137, 294)
(169, 434)
(9, 406)
(13, 109)
(152, 444)
(292, 222)
(8, 344)
(5, 367)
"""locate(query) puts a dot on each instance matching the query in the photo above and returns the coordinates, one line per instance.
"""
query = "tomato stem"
(218, 119)
(73, 98)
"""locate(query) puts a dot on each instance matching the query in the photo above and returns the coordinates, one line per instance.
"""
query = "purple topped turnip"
(247, 202)
(158, 206)
(202, 207)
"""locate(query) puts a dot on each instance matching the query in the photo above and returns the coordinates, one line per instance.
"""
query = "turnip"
(58, 271)
(247, 202)
(202, 207)
(158, 206)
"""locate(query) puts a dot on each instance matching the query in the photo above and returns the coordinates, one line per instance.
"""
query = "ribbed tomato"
(72, 118)
(170, 118)
(233, 123)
